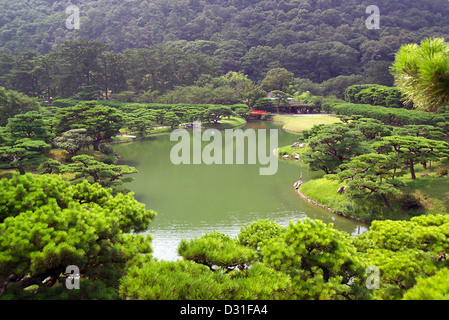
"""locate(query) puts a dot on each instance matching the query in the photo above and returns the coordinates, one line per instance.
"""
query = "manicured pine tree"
(107, 175)
(47, 224)
(411, 150)
(331, 145)
(371, 174)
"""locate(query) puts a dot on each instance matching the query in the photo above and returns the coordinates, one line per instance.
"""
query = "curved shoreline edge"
(284, 127)
(312, 202)
(305, 198)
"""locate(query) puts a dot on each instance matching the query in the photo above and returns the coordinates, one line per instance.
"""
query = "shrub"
(327, 106)
(106, 149)
(409, 202)
(259, 232)
(63, 103)
(430, 288)
(375, 94)
(124, 96)
(110, 159)
(6, 174)
(390, 116)
(442, 172)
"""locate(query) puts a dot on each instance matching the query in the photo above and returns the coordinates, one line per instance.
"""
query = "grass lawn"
(298, 124)
(430, 188)
(7, 173)
(324, 192)
(124, 130)
(432, 192)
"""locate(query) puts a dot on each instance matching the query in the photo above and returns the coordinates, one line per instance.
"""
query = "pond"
(192, 200)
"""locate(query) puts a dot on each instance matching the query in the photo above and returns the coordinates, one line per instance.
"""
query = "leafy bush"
(442, 172)
(430, 288)
(375, 94)
(110, 159)
(234, 107)
(327, 106)
(125, 96)
(47, 224)
(186, 280)
(255, 234)
(390, 116)
(320, 260)
(106, 149)
(404, 251)
(216, 249)
(409, 201)
(63, 103)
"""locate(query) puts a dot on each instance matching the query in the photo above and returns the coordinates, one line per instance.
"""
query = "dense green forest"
(324, 43)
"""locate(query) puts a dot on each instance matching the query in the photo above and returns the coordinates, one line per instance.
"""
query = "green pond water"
(192, 200)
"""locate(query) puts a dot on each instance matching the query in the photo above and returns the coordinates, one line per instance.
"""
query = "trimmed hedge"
(131, 106)
(391, 116)
(375, 94)
(64, 103)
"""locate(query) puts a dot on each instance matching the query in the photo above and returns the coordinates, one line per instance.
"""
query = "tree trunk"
(97, 145)
(412, 169)
(387, 203)
(96, 177)
(97, 141)
(397, 160)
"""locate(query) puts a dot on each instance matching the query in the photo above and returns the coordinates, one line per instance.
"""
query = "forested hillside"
(315, 39)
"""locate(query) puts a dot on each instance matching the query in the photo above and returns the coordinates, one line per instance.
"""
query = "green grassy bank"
(428, 194)
(297, 124)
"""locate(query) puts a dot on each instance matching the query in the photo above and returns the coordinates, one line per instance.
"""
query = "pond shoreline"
(302, 195)
(283, 127)
(319, 205)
